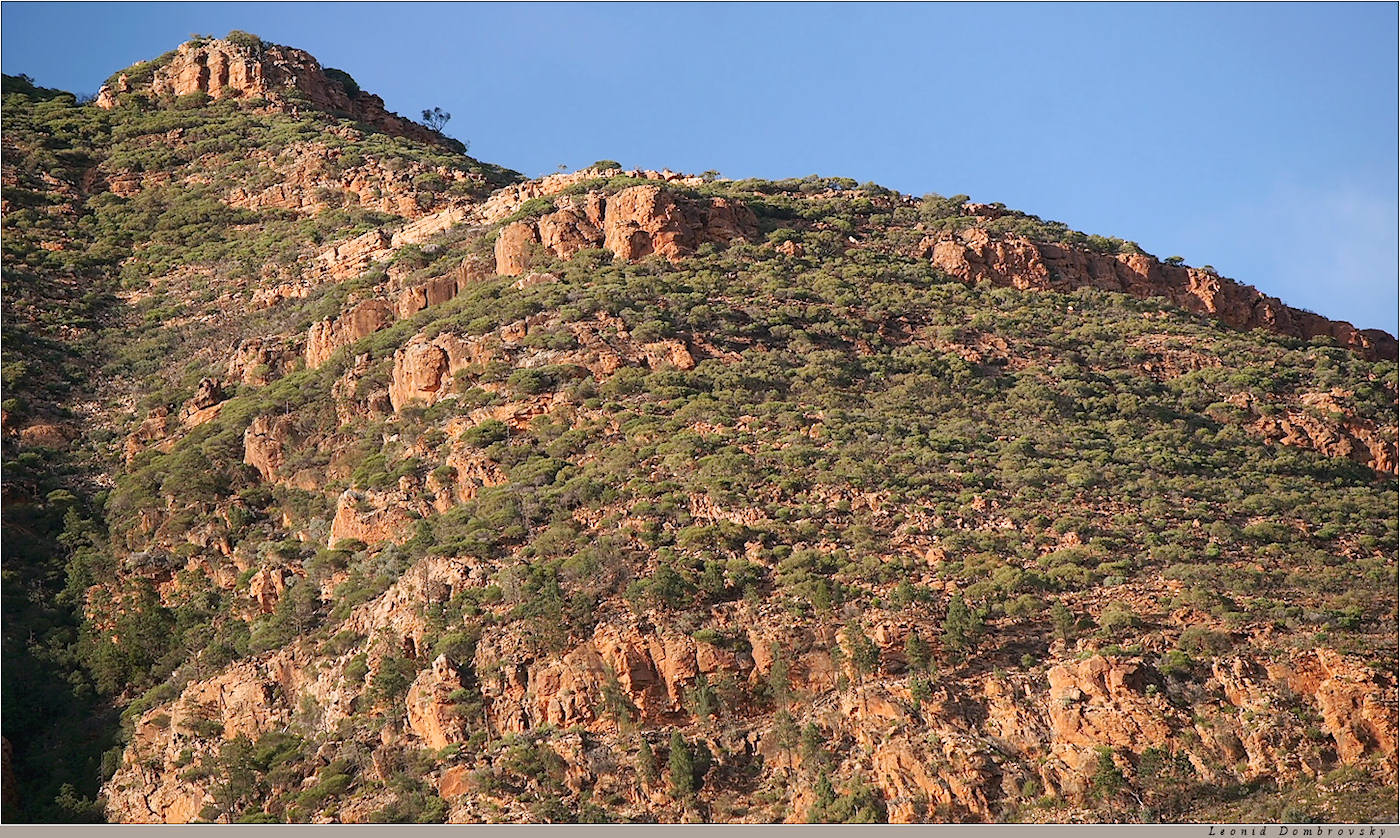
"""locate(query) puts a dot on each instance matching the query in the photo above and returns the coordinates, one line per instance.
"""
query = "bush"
(246, 39)
(196, 99)
(530, 382)
(345, 80)
(487, 433)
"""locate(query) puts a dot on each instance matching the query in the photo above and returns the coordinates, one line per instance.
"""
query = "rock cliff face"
(964, 752)
(285, 77)
(633, 223)
(975, 255)
(373, 517)
(432, 711)
(326, 337)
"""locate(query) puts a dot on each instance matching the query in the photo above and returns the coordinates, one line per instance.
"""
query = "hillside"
(348, 478)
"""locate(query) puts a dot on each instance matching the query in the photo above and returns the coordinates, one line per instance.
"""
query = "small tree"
(813, 752)
(646, 764)
(825, 797)
(916, 652)
(779, 687)
(617, 705)
(920, 689)
(785, 731)
(960, 625)
(236, 782)
(701, 698)
(436, 119)
(865, 655)
(1108, 780)
(1063, 620)
(682, 768)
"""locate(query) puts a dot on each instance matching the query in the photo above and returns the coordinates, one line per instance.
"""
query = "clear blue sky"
(1258, 138)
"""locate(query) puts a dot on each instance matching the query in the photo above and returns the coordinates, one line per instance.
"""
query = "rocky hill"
(244, 67)
(348, 478)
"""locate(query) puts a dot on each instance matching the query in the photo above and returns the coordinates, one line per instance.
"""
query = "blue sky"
(1258, 138)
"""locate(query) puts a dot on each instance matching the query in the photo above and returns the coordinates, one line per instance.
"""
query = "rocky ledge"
(975, 254)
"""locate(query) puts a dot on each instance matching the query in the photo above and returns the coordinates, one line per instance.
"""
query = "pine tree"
(916, 652)
(779, 686)
(825, 796)
(1062, 619)
(865, 655)
(646, 763)
(702, 699)
(813, 754)
(682, 768)
(960, 625)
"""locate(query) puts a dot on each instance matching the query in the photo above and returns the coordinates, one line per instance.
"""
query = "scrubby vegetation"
(861, 440)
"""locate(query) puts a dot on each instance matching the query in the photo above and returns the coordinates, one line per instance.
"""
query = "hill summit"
(244, 66)
(348, 478)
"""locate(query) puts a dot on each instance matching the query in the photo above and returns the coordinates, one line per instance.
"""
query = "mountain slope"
(399, 487)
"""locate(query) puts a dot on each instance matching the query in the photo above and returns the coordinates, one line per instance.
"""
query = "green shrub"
(345, 80)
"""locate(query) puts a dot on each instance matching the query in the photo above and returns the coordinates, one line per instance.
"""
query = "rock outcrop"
(961, 754)
(433, 712)
(514, 247)
(152, 431)
(1321, 422)
(47, 435)
(412, 300)
(652, 669)
(420, 373)
(325, 337)
(314, 176)
(974, 255)
(284, 77)
(264, 444)
(633, 223)
(372, 517)
(266, 587)
(507, 200)
(204, 405)
(353, 400)
(261, 360)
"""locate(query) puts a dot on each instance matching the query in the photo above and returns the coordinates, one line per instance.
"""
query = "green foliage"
(681, 768)
(246, 40)
(392, 679)
(532, 208)
(646, 763)
(864, 654)
(859, 803)
(916, 652)
(345, 80)
(961, 625)
(1108, 779)
(488, 432)
(701, 698)
(851, 407)
(1062, 620)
